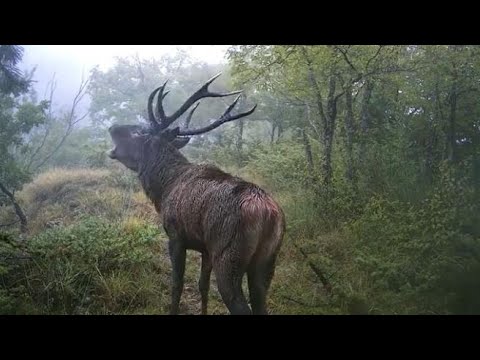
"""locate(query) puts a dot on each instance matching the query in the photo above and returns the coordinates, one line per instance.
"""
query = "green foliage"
(415, 254)
(17, 118)
(16, 121)
(282, 165)
(12, 81)
(394, 230)
(93, 267)
(408, 214)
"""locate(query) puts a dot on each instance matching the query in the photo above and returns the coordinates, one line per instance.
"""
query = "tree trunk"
(451, 123)
(349, 131)
(327, 159)
(279, 131)
(18, 209)
(429, 157)
(309, 156)
(328, 132)
(272, 134)
(239, 143)
(327, 117)
(313, 124)
(365, 118)
(432, 136)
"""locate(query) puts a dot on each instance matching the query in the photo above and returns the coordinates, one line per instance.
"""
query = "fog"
(69, 62)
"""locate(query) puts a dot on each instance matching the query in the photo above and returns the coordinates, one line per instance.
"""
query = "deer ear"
(180, 142)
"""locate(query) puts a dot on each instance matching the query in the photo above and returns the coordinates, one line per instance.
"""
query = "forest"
(372, 151)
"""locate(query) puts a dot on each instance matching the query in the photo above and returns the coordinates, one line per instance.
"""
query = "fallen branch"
(299, 302)
(9, 224)
(325, 282)
(16, 258)
(18, 210)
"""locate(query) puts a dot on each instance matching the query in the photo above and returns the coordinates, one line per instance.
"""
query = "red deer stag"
(236, 226)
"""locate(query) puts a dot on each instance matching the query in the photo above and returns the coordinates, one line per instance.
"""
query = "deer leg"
(204, 282)
(229, 274)
(177, 257)
(260, 276)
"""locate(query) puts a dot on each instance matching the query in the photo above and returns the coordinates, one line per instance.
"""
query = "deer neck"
(159, 172)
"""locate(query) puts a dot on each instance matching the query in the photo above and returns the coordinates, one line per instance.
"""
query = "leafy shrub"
(282, 165)
(416, 254)
(93, 266)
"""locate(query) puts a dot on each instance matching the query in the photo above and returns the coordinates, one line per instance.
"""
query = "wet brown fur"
(236, 225)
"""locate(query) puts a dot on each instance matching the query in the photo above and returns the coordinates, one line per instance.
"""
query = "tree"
(17, 118)
(12, 81)
(30, 133)
(51, 136)
(317, 77)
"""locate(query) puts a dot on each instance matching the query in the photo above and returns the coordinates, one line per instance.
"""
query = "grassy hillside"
(94, 247)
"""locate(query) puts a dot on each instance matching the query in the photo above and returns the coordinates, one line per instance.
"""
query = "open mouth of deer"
(119, 134)
(111, 153)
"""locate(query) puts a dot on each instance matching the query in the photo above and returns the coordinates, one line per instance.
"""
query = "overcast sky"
(68, 62)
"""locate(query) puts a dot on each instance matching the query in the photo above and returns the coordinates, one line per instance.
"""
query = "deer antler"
(164, 120)
(151, 116)
(226, 117)
(189, 117)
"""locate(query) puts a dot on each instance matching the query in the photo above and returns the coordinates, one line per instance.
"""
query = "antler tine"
(201, 93)
(226, 117)
(151, 116)
(160, 111)
(189, 117)
(212, 79)
(204, 88)
(232, 105)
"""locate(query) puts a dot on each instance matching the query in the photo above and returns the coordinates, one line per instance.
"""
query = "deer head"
(129, 140)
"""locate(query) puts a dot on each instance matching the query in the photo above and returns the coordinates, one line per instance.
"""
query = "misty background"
(70, 62)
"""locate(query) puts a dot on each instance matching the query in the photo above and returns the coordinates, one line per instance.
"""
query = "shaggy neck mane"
(160, 166)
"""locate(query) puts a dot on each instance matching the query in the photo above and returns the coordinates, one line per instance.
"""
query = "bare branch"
(71, 120)
(347, 60)
(9, 224)
(140, 71)
(299, 302)
(53, 85)
(380, 47)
